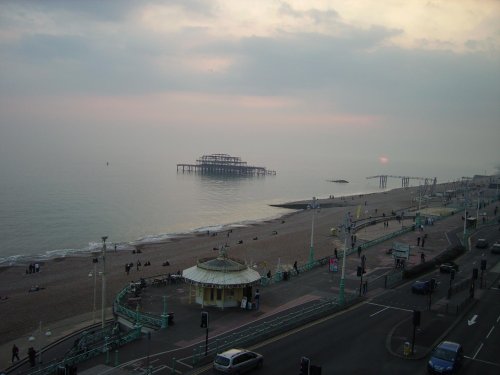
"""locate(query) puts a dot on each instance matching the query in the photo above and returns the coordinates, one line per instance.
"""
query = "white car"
(237, 361)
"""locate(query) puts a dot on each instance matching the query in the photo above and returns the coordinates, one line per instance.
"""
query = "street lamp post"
(342, 277)
(477, 211)
(94, 274)
(465, 218)
(103, 301)
(314, 205)
(32, 338)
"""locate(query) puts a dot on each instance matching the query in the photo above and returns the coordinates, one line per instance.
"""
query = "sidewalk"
(275, 299)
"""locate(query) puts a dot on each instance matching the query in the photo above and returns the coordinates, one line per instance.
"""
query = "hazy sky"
(389, 82)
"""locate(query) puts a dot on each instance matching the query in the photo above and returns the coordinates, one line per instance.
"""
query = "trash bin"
(406, 348)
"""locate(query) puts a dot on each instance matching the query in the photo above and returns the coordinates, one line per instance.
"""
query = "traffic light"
(360, 271)
(305, 365)
(433, 284)
(474, 273)
(483, 264)
(416, 318)
(204, 319)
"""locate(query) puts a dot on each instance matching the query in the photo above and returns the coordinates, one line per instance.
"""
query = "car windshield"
(223, 361)
(445, 354)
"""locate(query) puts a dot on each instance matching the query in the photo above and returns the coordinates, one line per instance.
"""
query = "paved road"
(479, 333)
(352, 342)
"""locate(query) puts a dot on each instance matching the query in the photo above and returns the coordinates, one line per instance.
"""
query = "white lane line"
(159, 368)
(478, 350)
(482, 361)
(389, 307)
(378, 312)
(498, 319)
(489, 333)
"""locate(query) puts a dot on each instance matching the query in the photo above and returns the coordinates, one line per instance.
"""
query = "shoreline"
(24, 260)
(67, 285)
(68, 289)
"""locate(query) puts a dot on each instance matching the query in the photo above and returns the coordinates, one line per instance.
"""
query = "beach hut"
(221, 281)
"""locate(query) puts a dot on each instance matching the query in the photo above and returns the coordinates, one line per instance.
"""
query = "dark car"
(446, 358)
(422, 287)
(481, 243)
(447, 267)
(495, 249)
(237, 361)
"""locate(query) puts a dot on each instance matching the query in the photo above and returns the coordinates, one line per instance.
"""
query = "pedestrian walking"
(336, 254)
(295, 267)
(15, 353)
(422, 258)
(423, 241)
(32, 356)
(257, 299)
(359, 251)
(418, 241)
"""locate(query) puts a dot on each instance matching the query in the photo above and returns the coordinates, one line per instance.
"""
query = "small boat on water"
(339, 181)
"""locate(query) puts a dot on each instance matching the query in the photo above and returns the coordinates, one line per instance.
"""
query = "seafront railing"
(109, 343)
(268, 328)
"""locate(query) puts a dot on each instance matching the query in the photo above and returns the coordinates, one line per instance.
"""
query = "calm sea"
(49, 209)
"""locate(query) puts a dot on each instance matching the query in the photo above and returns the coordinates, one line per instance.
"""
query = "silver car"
(237, 361)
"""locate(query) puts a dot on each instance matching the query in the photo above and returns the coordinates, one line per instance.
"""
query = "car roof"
(449, 345)
(232, 352)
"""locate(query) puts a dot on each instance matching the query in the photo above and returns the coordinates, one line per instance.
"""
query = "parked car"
(446, 358)
(481, 243)
(423, 287)
(495, 249)
(447, 267)
(237, 361)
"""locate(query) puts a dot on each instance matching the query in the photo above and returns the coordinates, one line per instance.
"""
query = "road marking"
(489, 333)
(482, 361)
(159, 368)
(498, 318)
(472, 320)
(389, 307)
(478, 350)
(378, 312)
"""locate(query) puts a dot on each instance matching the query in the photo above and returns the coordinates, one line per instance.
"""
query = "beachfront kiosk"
(221, 281)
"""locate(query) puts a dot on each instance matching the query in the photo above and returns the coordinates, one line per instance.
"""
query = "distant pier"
(223, 164)
(405, 181)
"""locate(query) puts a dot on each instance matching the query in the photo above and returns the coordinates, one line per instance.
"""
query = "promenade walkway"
(276, 299)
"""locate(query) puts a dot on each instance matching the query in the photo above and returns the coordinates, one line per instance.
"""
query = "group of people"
(33, 268)
(138, 264)
(31, 355)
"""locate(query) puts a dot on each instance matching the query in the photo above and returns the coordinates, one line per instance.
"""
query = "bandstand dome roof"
(221, 272)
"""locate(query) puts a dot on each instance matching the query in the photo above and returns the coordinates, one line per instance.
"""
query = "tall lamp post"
(342, 277)
(32, 338)
(465, 217)
(314, 205)
(477, 212)
(94, 273)
(103, 301)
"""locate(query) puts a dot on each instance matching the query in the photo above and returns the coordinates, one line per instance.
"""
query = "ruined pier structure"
(223, 164)
(405, 181)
